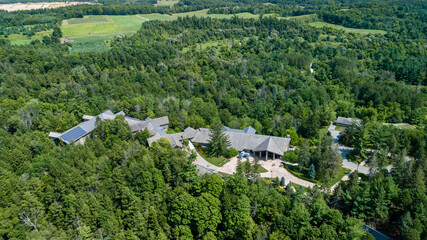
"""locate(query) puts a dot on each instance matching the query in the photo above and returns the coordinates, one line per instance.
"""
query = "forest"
(280, 76)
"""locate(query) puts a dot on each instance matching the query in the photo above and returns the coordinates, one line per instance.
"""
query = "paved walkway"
(201, 161)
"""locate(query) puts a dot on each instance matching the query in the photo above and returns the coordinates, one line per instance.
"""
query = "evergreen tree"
(311, 172)
(282, 182)
(219, 142)
(304, 155)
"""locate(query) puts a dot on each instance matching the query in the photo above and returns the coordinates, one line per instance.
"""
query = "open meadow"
(166, 3)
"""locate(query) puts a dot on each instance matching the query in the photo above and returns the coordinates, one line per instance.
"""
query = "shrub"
(232, 152)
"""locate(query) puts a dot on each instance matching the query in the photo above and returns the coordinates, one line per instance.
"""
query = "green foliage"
(231, 153)
(311, 172)
(199, 71)
(218, 143)
(282, 182)
(291, 156)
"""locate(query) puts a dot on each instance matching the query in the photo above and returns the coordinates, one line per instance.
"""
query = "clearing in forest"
(166, 3)
(350, 30)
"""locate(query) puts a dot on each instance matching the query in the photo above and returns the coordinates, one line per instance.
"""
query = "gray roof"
(246, 141)
(244, 130)
(84, 128)
(159, 121)
(175, 138)
(269, 145)
(348, 121)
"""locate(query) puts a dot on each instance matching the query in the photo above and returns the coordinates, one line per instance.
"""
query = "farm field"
(352, 30)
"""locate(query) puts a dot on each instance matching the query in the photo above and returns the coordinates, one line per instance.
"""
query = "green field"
(92, 43)
(350, 30)
(101, 25)
(19, 39)
(166, 3)
(89, 34)
(157, 16)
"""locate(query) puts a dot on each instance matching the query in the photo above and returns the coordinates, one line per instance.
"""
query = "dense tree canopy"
(282, 77)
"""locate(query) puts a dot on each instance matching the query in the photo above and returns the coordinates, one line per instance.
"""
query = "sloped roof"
(249, 129)
(189, 132)
(159, 121)
(269, 145)
(89, 125)
(246, 141)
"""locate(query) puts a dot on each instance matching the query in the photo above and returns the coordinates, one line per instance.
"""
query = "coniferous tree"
(311, 172)
(219, 142)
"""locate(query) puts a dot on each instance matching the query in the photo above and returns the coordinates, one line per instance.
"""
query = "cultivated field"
(41, 5)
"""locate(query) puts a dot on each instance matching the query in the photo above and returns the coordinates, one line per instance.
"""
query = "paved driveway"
(275, 170)
(201, 161)
(344, 150)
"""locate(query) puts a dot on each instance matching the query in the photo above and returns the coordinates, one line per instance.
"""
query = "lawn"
(217, 161)
(340, 128)
(341, 173)
(350, 30)
(294, 170)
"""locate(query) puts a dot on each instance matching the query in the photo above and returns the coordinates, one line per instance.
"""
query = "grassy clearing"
(205, 45)
(19, 39)
(166, 3)
(199, 13)
(89, 34)
(301, 17)
(88, 19)
(92, 43)
(128, 22)
(92, 29)
(157, 16)
(350, 30)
